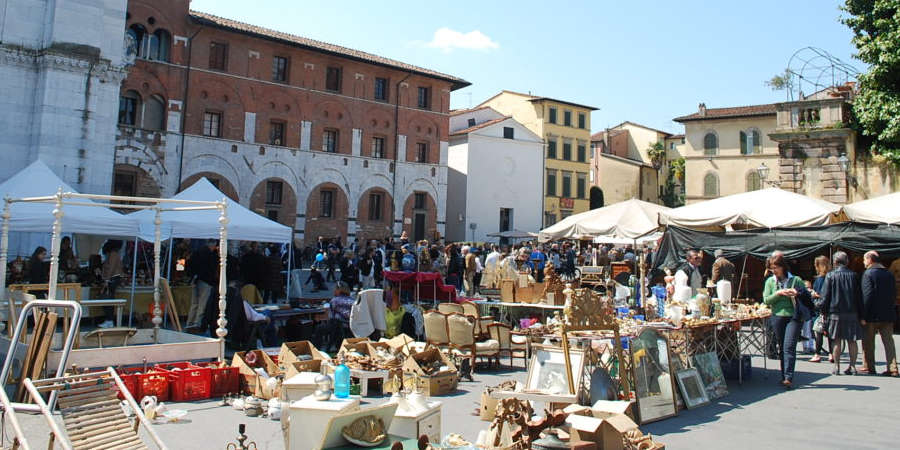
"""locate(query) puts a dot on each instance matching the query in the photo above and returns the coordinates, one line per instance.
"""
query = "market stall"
(422, 285)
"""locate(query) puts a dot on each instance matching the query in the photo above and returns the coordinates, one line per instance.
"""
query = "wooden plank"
(104, 415)
(105, 438)
(134, 443)
(36, 354)
(87, 399)
(88, 386)
(172, 309)
(106, 418)
(87, 432)
(83, 408)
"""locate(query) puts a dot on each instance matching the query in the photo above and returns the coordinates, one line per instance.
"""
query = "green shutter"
(743, 143)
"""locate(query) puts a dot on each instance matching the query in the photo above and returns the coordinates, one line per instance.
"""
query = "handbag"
(819, 324)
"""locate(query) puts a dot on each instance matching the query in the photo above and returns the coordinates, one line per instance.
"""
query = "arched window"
(750, 143)
(753, 181)
(160, 44)
(711, 185)
(710, 144)
(139, 33)
(155, 114)
(129, 108)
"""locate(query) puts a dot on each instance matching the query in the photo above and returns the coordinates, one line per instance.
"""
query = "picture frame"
(692, 389)
(711, 373)
(651, 369)
(547, 371)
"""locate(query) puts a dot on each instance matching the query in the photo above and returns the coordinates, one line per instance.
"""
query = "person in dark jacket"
(272, 281)
(203, 266)
(253, 265)
(878, 315)
(843, 304)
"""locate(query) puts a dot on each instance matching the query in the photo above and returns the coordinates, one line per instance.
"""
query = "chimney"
(701, 109)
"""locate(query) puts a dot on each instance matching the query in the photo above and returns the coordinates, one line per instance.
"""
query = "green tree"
(876, 107)
(671, 193)
(781, 81)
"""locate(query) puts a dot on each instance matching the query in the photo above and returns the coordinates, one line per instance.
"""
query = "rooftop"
(319, 46)
(705, 113)
(479, 126)
(536, 99)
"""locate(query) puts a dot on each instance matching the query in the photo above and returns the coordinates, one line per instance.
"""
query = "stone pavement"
(822, 412)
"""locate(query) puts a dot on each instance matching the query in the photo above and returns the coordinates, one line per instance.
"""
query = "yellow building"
(566, 130)
(724, 147)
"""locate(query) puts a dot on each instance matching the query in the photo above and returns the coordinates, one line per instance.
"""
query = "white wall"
(501, 173)
(481, 115)
(61, 66)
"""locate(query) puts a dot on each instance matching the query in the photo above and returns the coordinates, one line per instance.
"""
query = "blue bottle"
(342, 380)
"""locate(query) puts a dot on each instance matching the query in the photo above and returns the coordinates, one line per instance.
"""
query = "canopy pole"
(54, 246)
(157, 312)
(287, 292)
(4, 248)
(222, 323)
(169, 265)
(133, 280)
(741, 281)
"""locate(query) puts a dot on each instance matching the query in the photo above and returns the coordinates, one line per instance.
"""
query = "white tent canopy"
(766, 208)
(630, 219)
(243, 224)
(37, 180)
(884, 209)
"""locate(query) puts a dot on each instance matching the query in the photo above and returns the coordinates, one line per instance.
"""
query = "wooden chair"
(450, 308)
(481, 322)
(91, 412)
(463, 343)
(512, 344)
(436, 330)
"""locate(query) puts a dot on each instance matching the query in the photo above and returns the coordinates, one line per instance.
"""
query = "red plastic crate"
(141, 384)
(224, 380)
(187, 382)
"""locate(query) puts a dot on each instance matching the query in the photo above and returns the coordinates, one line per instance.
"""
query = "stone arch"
(420, 218)
(219, 97)
(279, 169)
(134, 181)
(275, 199)
(220, 182)
(373, 222)
(320, 222)
(204, 162)
(315, 177)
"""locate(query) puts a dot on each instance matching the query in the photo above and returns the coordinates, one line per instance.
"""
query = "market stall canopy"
(884, 209)
(513, 234)
(652, 237)
(765, 208)
(37, 180)
(625, 220)
(243, 224)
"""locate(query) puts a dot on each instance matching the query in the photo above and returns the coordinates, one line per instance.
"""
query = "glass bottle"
(342, 380)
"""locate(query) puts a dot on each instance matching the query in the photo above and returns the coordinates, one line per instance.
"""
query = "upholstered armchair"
(450, 308)
(463, 342)
(512, 344)
(436, 331)
(482, 322)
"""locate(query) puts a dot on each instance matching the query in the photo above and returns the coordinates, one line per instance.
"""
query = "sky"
(643, 61)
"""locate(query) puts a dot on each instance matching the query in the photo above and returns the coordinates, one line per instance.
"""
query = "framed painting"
(711, 374)
(692, 389)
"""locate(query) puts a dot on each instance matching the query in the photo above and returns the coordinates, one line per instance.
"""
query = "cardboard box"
(296, 367)
(291, 350)
(431, 384)
(613, 430)
(608, 408)
(253, 383)
(488, 409)
(350, 341)
(400, 344)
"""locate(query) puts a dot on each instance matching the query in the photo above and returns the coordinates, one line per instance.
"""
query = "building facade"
(621, 164)
(565, 128)
(60, 87)
(331, 141)
(723, 149)
(494, 163)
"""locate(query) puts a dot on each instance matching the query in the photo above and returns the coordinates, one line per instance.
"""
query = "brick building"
(299, 130)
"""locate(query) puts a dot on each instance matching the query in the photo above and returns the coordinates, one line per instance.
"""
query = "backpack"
(408, 263)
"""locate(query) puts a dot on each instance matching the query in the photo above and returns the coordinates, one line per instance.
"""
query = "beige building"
(723, 149)
(621, 166)
(565, 128)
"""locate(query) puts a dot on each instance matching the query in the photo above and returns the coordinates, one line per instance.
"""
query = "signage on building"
(567, 203)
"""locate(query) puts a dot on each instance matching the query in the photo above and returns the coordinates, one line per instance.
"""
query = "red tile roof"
(732, 112)
(675, 136)
(310, 44)
(599, 135)
(456, 112)
(479, 126)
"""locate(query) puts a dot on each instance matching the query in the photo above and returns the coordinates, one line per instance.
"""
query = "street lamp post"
(763, 171)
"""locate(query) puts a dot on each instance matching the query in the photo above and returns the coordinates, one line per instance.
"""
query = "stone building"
(60, 87)
(304, 132)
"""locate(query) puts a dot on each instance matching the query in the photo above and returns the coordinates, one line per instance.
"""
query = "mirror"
(653, 382)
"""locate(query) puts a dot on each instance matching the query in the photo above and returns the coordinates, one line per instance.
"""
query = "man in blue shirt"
(537, 260)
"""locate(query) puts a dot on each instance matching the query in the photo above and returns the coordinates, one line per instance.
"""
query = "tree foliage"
(781, 81)
(876, 107)
(671, 192)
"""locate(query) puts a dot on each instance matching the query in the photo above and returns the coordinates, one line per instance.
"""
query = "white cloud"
(447, 40)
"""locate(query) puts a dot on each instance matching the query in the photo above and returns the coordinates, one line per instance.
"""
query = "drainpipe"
(396, 150)
(184, 108)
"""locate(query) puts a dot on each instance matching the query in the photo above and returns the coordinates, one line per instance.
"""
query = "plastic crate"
(223, 380)
(730, 368)
(187, 382)
(141, 384)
